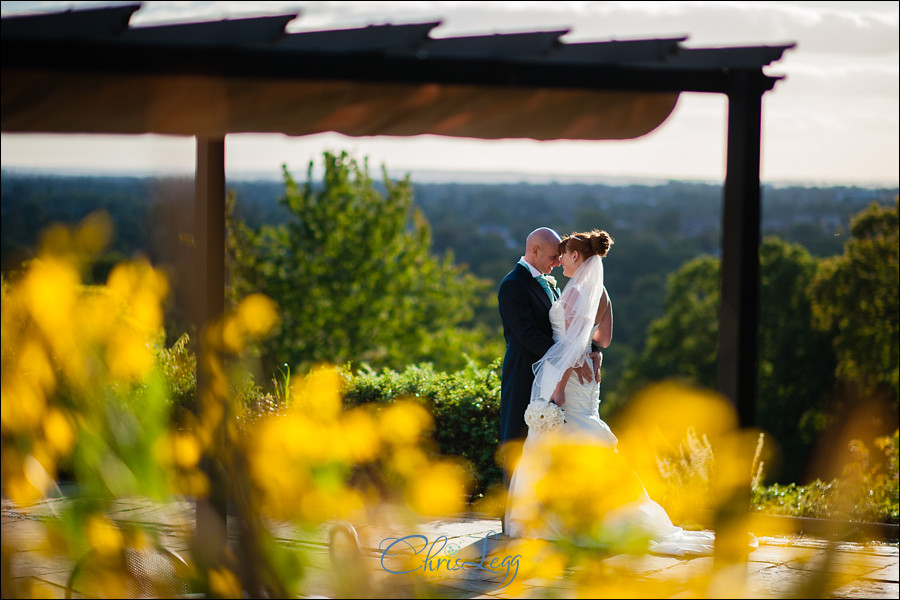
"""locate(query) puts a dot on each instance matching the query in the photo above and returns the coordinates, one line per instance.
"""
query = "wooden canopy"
(89, 72)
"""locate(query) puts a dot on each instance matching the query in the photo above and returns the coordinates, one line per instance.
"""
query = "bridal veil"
(579, 303)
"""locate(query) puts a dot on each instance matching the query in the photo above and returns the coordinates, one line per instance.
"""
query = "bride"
(618, 506)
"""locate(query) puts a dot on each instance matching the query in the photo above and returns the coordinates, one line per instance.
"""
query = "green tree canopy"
(795, 361)
(855, 298)
(353, 273)
(682, 342)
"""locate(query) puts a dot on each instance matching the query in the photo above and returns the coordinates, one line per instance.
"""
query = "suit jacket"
(524, 310)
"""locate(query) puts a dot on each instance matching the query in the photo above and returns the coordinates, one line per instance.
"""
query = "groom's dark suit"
(524, 310)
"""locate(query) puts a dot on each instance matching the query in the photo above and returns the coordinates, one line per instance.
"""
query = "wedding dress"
(640, 518)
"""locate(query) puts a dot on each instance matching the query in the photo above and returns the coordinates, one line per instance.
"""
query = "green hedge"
(866, 491)
(465, 406)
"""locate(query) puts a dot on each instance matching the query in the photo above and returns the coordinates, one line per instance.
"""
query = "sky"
(833, 120)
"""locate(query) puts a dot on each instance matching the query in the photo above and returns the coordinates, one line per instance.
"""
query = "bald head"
(542, 236)
(542, 249)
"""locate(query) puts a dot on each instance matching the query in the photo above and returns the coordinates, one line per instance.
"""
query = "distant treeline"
(656, 229)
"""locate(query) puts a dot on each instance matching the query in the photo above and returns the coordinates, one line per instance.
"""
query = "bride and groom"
(552, 354)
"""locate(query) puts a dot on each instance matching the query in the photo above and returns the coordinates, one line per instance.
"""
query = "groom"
(525, 297)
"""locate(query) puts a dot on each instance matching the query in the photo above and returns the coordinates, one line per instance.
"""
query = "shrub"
(178, 366)
(866, 491)
(465, 406)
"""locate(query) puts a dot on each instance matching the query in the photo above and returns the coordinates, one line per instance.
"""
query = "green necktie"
(542, 279)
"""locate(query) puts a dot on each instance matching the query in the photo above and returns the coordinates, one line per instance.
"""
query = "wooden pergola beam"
(739, 303)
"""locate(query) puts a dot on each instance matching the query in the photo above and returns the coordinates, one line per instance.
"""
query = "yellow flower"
(656, 422)
(360, 435)
(257, 314)
(59, 432)
(180, 449)
(50, 288)
(128, 356)
(103, 536)
(438, 489)
(22, 404)
(403, 422)
(318, 395)
(224, 584)
(141, 288)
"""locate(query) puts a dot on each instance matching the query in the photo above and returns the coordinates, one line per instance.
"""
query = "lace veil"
(579, 303)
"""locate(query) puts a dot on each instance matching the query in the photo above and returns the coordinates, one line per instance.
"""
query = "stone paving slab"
(782, 566)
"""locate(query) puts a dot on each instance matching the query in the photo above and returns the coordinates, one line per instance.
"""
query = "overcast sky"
(834, 119)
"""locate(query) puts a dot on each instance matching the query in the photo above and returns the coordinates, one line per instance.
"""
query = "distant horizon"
(436, 176)
(833, 119)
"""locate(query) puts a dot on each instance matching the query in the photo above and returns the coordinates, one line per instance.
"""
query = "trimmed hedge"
(465, 406)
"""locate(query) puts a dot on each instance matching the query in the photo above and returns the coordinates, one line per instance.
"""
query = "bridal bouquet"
(544, 416)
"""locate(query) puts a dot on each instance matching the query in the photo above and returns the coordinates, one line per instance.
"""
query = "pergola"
(90, 72)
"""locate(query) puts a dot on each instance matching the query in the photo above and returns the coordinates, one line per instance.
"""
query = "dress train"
(626, 515)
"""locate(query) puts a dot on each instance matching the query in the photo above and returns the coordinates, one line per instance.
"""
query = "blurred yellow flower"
(438, 490)
(24, 477)
(35, 588)
(584, 485)
(402, 422)
(103, 536)
(49, 291)
(658, 420)
(733, 467)
(531, 554)
(186, 450)
(59, 432)
(408, 461)
(318, 395)
(128, 356)
(317, 505)
(224, 584)
(22, 404)
(35, 366)
(142, 288)
(360, 435)
(257, 314)
(98, 314)
(233, 336)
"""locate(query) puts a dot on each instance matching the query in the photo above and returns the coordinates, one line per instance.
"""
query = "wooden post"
(209, 237)
(739, 308)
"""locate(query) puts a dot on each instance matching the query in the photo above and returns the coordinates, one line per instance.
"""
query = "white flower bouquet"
(543, 416)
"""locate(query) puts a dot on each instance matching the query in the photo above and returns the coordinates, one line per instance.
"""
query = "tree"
(682, 343)
(855, 298)
(354, 277)
(794, 360)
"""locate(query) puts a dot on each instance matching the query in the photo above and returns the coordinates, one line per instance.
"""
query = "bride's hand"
(558, 397)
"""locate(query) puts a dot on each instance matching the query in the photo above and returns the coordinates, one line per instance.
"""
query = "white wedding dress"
(639, 519)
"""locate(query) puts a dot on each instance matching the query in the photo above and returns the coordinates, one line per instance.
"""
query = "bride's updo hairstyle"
(587, 244)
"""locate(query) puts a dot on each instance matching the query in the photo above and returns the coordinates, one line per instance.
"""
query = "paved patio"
(782, 566)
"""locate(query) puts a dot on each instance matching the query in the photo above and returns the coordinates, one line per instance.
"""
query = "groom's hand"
(596, 361)
(590, 370)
